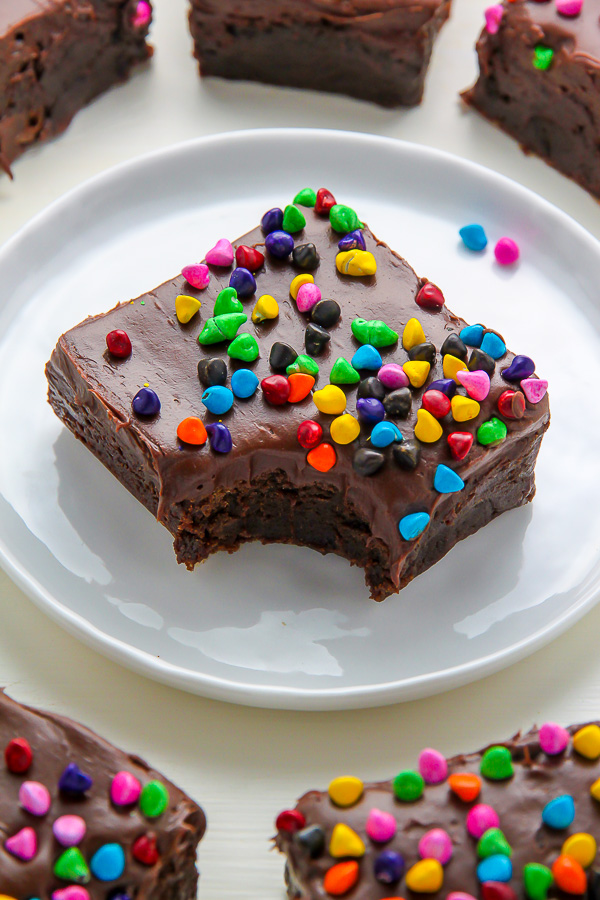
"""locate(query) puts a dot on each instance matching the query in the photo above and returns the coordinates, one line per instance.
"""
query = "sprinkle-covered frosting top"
(517, 821)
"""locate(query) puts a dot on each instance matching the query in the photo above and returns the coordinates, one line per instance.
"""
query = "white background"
(244, 765)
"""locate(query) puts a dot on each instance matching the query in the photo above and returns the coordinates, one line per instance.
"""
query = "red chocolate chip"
(276, 389)
(460, 442)
(290, 820)
(436, 403)
(118, 343)
(497, 890)
(249, 258)
(511, 404)
(430, 296)
(309, 435)
(325, 200)
(144, 850)
(18, 756)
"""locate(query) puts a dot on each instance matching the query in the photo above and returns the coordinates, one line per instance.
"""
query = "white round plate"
(283, 626)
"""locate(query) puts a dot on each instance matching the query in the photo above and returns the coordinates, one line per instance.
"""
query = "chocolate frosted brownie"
(539, 65)
(80, 820)
(354, 413)
(513, 821)
(56, 56)
(376, 50)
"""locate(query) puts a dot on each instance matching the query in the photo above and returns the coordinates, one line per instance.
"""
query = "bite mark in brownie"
(539, 80)
(268, 487)
(55, 57)
(377, 50)
(446, 818)
(81, 820)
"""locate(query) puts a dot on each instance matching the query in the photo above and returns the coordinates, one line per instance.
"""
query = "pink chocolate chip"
(393, 376)
(23, 844)
(198, 276)
(34, 798)
(221, 254)
(125, 789)
(476, 383)
(569, 8)
(73, 892)
(381, 826)
(436, 844)
(553, 738)
(69, 830)
(459, 895)
(534, 389)
(433, 766)
(143, 14)
(307, 297)
(480, 819)
(493, 17)
(506, 251)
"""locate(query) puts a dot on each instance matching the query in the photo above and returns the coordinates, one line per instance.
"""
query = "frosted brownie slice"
(375, 424)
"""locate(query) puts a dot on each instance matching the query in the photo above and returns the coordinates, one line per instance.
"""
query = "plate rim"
(244, 692)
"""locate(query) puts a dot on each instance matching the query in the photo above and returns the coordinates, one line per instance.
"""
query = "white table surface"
(244, 765)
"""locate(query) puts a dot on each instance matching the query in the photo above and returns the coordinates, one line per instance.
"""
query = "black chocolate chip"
(455, 347)
(422, 353)
(370, 387)
(397, 404)
(315, 339)
(282, 355)
(326, 313)
(407, 454)
(312, 839)
(212, 371)
(305, 256)
(481, 360)
(367, 462)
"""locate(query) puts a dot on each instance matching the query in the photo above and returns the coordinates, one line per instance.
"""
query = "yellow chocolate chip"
(344, 430)
(297, 283)
(582, 847)
(266, 308)
(463, 408)
(345, 842)
(417, 372)
(357, 263)
(451, 366)
(186, 308)
(413, 334)
(425, 877)
(427, 429)
(345, 790)
(586, 741)
(331, 400)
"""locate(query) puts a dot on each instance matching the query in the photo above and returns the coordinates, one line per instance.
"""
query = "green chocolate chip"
(227, 302)
(343, 372)
(491, 432)
(71, 866)
(154, 799)
(493, 843)
(374, 332)
(408, 786)
(537, 879)
(304, 364)
(230, 323)
(211, 333)
(343, 219)
(244, 347)
(496, 764)
(542, 57)
(293, 220)
(306, 197)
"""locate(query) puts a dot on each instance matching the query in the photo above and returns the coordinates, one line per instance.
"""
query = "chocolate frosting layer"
(518, 801)
(578, 36)
(56, 742)
(165, 356)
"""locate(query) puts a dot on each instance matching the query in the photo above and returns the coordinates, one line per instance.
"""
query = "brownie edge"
(368, 49)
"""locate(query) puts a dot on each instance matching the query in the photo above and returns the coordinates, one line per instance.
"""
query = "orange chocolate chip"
(322, 458)
(569, 875)
(465, 785)
(340, 878)
(300, 386)
(192, 431)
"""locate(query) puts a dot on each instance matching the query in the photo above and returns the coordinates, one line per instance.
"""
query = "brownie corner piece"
(538, 80)
(375, 50)
(515, 820)
(57, 57)
(384, 440)
(75, 810)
